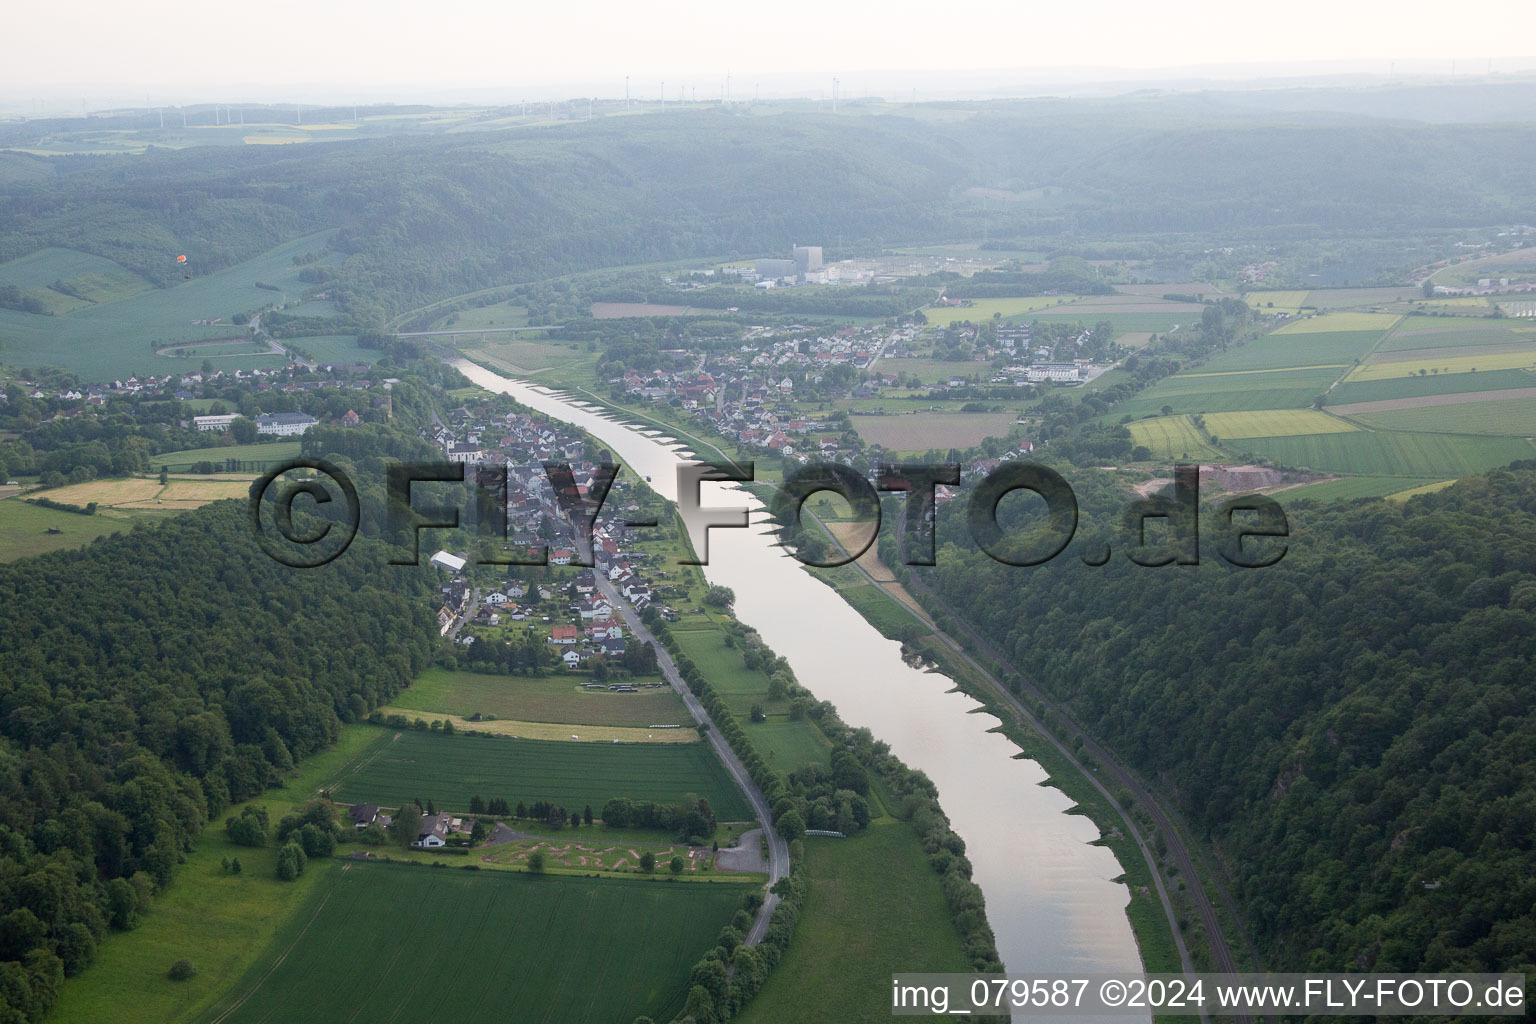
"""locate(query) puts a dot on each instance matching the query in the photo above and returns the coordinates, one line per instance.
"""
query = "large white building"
(284, 424)
(214, 422)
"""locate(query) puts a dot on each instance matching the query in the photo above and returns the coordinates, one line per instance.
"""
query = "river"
(1050, 900)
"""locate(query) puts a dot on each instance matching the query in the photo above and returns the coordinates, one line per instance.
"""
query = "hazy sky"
(187, 50)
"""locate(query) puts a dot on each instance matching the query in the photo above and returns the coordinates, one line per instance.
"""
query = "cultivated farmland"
(924, 431)
(1511, 417)
(1518, 358)
(982, 309)
(256, 456)
(1273, 423)
(550, 698)
(451, 769)
(380, 941)
(1339, 323)
(1354, 392)
(1383, 453)
(1173, 437)
(116, 338)
(1281, 351)
(1230, 392)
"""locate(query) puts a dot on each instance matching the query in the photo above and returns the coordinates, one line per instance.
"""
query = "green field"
(1382, 453)
(87, 279)
(266, 454)
(853, 936)
(877, 608)
(1513, 358)
(1233, 392)
(1351, 392)
(333, 348)
(116, 338)
(380, 942)
(519, 356)
(1348, 487)
(1281, 350)
(1274, 423)
(1434, 332)
(1513, 417)
(1335, 323)
(220, 921)
(1276, 302)
(1173, 437)
(451, 769)
(721, 665)
(1120, 323)
(788, 745)
(24, 529)
(982, 309)
(538, 699)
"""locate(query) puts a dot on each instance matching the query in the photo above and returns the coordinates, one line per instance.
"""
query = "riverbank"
(1049, 892)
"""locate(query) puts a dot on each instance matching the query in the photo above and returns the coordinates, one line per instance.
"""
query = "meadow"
(1276, 302)
(520, 356)
(852, 936)
(116, 338)
(88, 279)
(24, 528)
(333, 348)
(222, 922)
(1274, 423)
(382, 941)
(451, 769)
(924, 431)
(1173, 437)
(551, 698)
(255, 456)
(1383, 453)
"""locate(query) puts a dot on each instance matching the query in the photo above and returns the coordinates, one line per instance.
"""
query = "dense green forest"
(418, 219)
(1353, 728)
(146, 683)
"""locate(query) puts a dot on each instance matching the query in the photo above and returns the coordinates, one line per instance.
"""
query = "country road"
(778, 849)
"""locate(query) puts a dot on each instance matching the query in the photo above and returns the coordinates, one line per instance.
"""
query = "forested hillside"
(1354, 727)
(419, 219)
(146, 683)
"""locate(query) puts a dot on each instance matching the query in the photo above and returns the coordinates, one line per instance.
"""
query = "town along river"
(1049, 895)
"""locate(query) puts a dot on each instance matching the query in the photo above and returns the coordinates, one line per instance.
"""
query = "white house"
(571, 658)
(466, 453)
(434, 832)
(214, 422)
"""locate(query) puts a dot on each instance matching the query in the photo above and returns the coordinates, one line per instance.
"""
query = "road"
(778, 849)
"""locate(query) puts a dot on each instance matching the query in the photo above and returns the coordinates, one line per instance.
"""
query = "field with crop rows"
(451, 769)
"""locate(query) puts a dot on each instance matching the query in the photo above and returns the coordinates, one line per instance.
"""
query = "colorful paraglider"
(181, 261)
